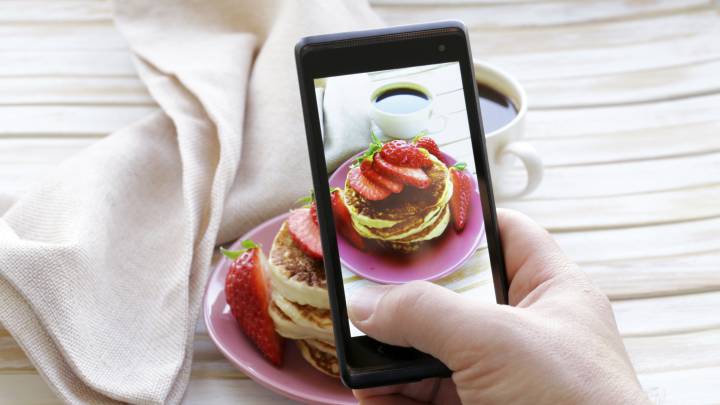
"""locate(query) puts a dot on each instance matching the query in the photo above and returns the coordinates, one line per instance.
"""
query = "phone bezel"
(365, 362)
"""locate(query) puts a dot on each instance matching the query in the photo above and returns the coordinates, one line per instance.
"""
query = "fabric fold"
(103, 265)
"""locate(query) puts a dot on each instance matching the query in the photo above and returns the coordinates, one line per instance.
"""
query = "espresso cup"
(405, 125)
(504, 145)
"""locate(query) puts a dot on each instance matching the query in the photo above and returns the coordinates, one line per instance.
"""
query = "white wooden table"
(625, 110)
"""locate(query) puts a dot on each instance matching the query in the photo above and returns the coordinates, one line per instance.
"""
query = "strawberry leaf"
(460, 165)
(249, 244)
(234, 254)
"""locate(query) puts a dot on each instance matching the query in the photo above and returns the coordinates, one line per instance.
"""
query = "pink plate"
(442, 256)
(296, 379)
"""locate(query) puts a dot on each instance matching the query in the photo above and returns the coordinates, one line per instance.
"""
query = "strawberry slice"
(246, 291)
(343, 221)
(413, 176)
(366, 167)
(429, 145)
(401, 153)
(305, 232)
(367, 188)
(460, 201)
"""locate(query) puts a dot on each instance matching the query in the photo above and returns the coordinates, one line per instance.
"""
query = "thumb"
(425, 316)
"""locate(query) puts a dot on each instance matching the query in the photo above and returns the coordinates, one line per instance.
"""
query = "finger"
(532, 257)
(425, 316)
(432, 390)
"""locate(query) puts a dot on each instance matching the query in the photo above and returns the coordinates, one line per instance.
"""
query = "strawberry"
(313, 212)
(309, 202)
(246, 291)
(305, 232)
(429, 145)
(366, 167)
(365, 187)
(460, 201)
(401, 153)
(409, 175)
(343, 221)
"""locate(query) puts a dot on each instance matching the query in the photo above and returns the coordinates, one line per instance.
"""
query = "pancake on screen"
(398, 196)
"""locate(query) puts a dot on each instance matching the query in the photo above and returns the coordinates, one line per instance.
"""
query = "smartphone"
(394, 132)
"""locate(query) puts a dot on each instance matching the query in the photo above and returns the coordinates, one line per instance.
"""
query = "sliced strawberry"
(246, 291)
(387, 182)
(367, 188)
(408, 175)
(401, 153)
(462, 190)
(429, 145)
(305, 232)
(366, 168)
(343, 221)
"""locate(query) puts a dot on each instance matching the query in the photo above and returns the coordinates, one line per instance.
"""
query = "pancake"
(326, 363)
(321, 345)
(290, 326)
(431, 228)
(294, 274)
(411, 203)
(413, 243)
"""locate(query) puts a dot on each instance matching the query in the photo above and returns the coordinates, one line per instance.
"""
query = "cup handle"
(445, 121)
(530, 158)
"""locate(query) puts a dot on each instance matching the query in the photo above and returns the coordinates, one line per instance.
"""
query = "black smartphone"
(394, 133)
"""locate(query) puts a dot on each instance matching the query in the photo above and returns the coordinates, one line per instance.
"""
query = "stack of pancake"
(300, 305)
(403, 221)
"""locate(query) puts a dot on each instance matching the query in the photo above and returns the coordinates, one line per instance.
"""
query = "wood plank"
(607, 120)
(603, 61)
(68, 120)
(231, 392)
(657, 277)
(572, 214)
(622, 146)
(70, 63)
(667, 315)
(33, 151)
(654, 241)
(624, 178)
(26, 389)
(74, 90)
(625, 88)
(12, 359)
(208, 362)
(22, 11)
(487, 41)
(674, 352)
(683, 387)
(100, 35)
(511, 15)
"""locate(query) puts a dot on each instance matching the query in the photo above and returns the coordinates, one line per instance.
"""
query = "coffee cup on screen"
(404, 109)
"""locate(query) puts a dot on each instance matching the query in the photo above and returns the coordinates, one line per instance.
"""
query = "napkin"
(103, 265)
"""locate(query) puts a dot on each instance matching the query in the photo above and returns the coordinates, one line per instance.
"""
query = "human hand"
(556, 343)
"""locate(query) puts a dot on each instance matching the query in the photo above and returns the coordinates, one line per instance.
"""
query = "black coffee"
(401, 100)
(496, 109)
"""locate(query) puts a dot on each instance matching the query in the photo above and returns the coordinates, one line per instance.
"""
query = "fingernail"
(364, 301)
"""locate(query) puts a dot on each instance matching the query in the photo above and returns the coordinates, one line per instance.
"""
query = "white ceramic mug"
(405, 125)
(505, 143)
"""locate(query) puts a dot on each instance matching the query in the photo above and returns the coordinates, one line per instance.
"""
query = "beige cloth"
(103, 266)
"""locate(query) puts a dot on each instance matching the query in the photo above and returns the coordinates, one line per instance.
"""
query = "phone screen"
(402, 173)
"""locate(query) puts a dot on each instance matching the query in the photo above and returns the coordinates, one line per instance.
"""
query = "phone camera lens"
(441, 48)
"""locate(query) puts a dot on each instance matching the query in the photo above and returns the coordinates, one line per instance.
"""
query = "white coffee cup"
(505, 143)
(405, 125)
